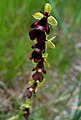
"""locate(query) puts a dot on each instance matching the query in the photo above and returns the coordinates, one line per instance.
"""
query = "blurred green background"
(62, 87)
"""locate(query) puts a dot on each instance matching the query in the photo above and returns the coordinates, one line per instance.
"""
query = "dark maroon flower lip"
(28, 93)
(41, 25)
(41, 37)
(38, 76)
(38, 35)
(36, 55)
(40, 66)
(26, 113)
(32, 34)
(30, 90)
(39, 30)
(42, 22)
(40, 46)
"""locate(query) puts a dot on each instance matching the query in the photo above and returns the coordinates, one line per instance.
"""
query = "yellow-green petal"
(47, 8)
(31, 82)
(52, 21)
(47, 63)
(39, 85)
(26, 105)
(38, 15)
(52, 38)
(45, 56)
(50, 44)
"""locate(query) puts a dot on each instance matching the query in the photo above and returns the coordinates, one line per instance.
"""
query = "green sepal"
(38, 15)
(33, 62)
(51, 39)
(47, 35)
(47, 8)
(45, 56)
(31, 82)
(52, 21)
(46, 63)
(39, 84)
(26, 105)
(50, 44)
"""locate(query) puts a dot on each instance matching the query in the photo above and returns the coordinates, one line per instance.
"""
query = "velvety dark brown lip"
(38, 33)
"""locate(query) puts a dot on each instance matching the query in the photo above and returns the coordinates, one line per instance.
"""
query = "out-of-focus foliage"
(63, 79)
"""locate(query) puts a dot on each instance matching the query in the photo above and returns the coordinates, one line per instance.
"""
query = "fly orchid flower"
(46, 14)
(39, 32)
